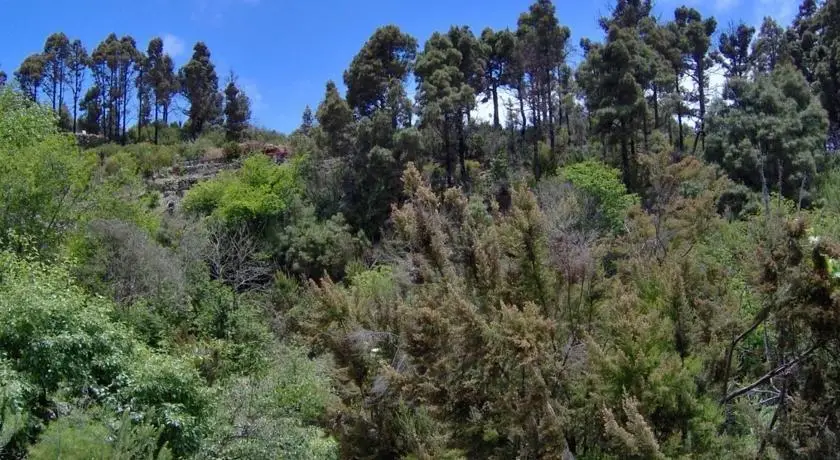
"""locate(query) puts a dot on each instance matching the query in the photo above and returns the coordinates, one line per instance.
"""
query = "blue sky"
(285, 50)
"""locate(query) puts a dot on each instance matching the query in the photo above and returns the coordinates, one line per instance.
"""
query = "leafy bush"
(43, 173)
(85, 436)
(274, 415)
(232, 150)
(259, 190)
(602, 184)
(316, 248)
(23, 123)
(63, 343)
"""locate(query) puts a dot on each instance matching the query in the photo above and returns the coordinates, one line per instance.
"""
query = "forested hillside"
(627, 261)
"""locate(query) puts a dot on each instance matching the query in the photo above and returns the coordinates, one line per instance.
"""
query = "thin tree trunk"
(124, 107)
(679, 115)
(75, 109)
(448, 150)
(495, 90)
(701, 83)
(156, 123)
(550, 119)
(655, 106)
(625, 159)
(568, 129)
(61, 88)
(521, 98)
(462, 152)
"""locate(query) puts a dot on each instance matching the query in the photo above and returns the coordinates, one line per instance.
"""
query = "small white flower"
(813, 239)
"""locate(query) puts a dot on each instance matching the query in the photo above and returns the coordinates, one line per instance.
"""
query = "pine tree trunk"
(655, 106)
(54, 91)
(75, 109)
(61, 89)
(495, 90)
(550, 119)
(625, 159)
(568, 129)
(462, 152)
(156, 123)
(521, 98)
(448, 150)
(701, 83)
(679, 116)
(537, 168)
(124, 108)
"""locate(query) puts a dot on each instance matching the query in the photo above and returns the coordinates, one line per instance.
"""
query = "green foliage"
(43, 172)
(148, 158)
(657, 310)
(274, 415)
(200, 85)
(23, 123)
(232, 150)
(49, 324)
(237, 111)
(260, 190)
(772, 136)
(84, 436)
(603, 185)
(316, 248)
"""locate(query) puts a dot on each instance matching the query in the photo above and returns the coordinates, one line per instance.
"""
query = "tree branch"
(770, 375)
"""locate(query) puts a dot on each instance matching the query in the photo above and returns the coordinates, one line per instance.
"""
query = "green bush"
(601, 184)
(315, 248)
(232, 150)
(274, 415)
(85, 436)
(259, 190)
(43, 173)
(63, 343)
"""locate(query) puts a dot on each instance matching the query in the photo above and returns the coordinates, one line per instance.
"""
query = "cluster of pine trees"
(125, 79)
(625, 262)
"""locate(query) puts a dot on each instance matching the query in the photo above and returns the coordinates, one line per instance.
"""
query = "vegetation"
(621, 263)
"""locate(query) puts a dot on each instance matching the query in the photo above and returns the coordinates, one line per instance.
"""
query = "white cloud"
(173, 45)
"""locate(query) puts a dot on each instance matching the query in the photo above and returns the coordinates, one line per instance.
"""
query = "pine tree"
(335, 118)
(162, 81)
(825, 56)
(307, 121)
(30, 75)
(613, 93)
(543, 44)
(200, 86)
(697, 33)
(77, 64)
(443, 94)
(91, 107)
(144, 93)
(770, 48)
(129, 60)
(499, 47)
(387, 57)
(56, 53)
(237, 111)
(471, 68)
(734, 50)
(772, 132)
